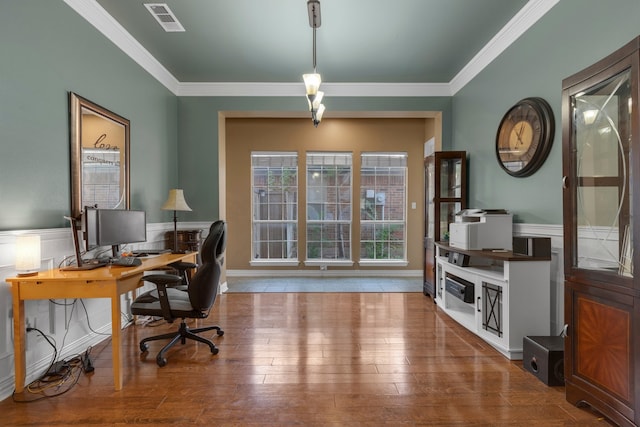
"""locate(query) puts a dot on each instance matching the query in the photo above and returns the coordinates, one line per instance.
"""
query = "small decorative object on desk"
(28, 254)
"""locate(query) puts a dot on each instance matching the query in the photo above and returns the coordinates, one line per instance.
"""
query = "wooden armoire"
(601, 170)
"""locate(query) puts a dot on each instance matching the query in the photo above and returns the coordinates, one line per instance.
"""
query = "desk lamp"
(28, 254)
(175, 202)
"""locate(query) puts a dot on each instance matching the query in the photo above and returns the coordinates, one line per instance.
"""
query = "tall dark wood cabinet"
(601, 168)
(445, 174)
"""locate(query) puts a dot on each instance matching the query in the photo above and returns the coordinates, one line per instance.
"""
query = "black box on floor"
(532, 246)
(544, 358)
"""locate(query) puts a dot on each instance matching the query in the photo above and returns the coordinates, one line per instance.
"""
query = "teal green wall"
(571, 36)
(198, 118)
(47, 50)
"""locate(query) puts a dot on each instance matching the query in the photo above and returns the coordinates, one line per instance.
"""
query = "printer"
(477, 229)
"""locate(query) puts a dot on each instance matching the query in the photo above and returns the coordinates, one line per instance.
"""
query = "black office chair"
(194, 303)
(184, 268)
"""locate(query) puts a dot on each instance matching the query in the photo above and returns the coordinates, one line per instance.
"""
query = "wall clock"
(524, 137)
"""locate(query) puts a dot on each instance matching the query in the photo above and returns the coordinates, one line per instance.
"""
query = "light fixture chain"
(314, 49)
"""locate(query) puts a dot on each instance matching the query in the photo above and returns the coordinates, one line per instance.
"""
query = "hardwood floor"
(312, 359)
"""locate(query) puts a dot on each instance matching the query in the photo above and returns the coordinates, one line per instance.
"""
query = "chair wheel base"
(181, 336)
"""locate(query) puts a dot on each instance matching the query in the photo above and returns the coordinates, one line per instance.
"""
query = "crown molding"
(330, 89)
(518, 25)
(95, 14)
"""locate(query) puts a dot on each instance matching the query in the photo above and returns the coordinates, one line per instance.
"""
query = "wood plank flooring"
(312, 359)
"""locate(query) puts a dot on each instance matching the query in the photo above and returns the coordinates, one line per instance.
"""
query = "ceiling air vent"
(164, 16)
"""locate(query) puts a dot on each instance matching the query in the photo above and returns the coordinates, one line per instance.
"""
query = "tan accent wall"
(355, 135)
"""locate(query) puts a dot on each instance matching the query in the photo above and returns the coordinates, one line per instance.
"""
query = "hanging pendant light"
(312, 80)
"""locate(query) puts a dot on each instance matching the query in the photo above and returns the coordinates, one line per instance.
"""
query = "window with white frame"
(274, 206)
(383, 178)
(329, 206)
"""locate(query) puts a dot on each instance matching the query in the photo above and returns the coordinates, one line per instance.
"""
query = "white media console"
(500, 296)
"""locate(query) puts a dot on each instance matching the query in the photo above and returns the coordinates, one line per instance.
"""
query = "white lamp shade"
(312, 83)
(175, 201)
(28, 259)
(320, 113)
(315, 101)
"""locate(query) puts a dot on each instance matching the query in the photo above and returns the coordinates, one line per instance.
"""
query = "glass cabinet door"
(430, 194)
(600, 174)
(445, 195)
(448, 212)
(450, 192)
(450, 178)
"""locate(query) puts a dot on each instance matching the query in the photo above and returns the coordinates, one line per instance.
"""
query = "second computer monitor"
(114, 227)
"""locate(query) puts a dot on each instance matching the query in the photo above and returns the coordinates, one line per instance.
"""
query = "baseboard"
(324, 273)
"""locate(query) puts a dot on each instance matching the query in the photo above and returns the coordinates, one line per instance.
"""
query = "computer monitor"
(114, 227)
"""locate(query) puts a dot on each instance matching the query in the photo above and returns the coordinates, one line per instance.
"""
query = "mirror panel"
(602, 119)
(99, 157)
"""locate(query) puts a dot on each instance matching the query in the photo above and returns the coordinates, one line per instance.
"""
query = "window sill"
(383, 263)
(327, 262)
(274, 263)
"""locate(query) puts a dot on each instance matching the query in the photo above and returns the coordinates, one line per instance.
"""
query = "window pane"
(328, 241)
(274, 205)
(382, 241)
(329, 206)
(383, 178)
(600, 144)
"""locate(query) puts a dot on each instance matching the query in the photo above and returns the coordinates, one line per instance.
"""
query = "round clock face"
(524, 137)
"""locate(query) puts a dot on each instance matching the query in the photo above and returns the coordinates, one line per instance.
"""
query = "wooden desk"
(105, 282)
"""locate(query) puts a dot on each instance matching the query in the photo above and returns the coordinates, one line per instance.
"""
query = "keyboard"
(147, 252)
(87, 265)
(126, 261)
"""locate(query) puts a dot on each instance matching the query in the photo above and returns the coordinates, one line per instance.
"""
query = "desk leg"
(19, 337)
(116, 341)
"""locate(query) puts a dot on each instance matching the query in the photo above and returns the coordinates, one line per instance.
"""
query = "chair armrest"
(183, 265)
(162, 281)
